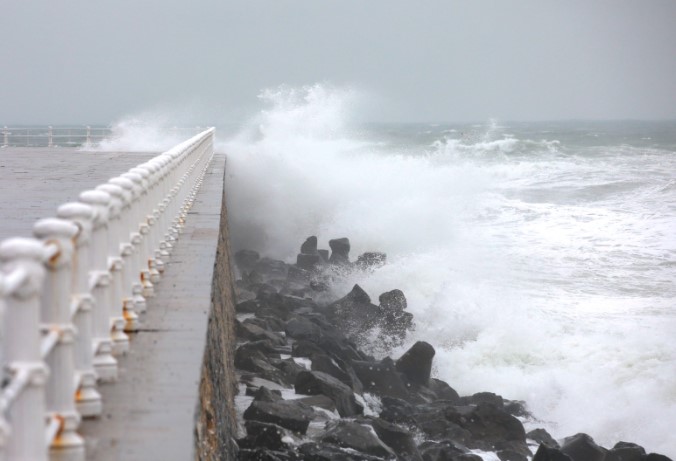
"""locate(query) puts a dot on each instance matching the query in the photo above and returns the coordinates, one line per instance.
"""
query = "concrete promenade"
(149, 414)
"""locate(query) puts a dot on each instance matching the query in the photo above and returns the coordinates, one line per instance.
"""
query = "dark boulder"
(289, 369)
(393, 300)
(305, 348)
(400, 440)
(330, 452)
(250, 306)
(381, 378)
(443, 391)
(250, 331)
(316, 382)
(511, 455)
(298, 276)
(354, 314)
(340, 251)
(358, 437)
(443, 450)
(416, 363)
(302, 328)
(546, 453)
(308, 261)
(397, 411)
(246, 259)
(490, 427)
(271, 268)
(266, 435)
(286, 413)
(625, 451)
(264, 348)
(261, 454)
(542, 436)
(324, 254)
(341, 371)
(319, 400)
(264, 394)
(581, 447)
(656, 457)
(309, 246)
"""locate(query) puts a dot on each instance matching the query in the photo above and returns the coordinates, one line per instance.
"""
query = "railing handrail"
(69, 296)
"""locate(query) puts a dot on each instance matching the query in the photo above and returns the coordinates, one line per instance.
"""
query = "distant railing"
(68, 136)
(69, 296)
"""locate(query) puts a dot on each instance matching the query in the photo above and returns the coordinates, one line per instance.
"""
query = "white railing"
(68, 136)
(69, 296)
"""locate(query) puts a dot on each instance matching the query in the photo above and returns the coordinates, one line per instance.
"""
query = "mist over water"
(538, 259)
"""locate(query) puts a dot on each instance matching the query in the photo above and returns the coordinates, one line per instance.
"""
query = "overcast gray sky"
(89, 61)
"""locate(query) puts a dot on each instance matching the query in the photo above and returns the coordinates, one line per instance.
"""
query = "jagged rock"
(516, 408)
(286, 413)
(263, 394)
(309, 247)
(371, 260)
(250, 306)
(416, 363)
(319, 287)
(340, 251)
(298, 275)
(489, 425)
(289, 369)
(329, 452)
(319, 400)
(511, 455)
(261, 454)
(546, 453)
(266, 435)
(656, 457)
(358, 437)
(397, 411)
(316, 382)
(483, 397)
(542, 436)
(302, 328)
(306, 349)
(581, 447)
(252, 332)
(308, 261)
(354, 314)
(246, 259)
(271, 268)
(444, 450)
(443, 391)
(400, 440)
(344, 373)
(393, 300)
(625, 451)
(381, 378)
(265, 348)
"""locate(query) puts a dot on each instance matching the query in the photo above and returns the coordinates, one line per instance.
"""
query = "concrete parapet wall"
(215, 428)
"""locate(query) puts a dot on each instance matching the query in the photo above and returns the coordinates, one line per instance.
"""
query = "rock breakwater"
(309, 390)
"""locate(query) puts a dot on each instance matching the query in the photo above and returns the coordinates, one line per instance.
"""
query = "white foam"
(538, 270)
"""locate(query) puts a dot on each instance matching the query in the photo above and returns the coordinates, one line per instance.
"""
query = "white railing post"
(67, 445)
(141, 227)
(124, 321)
(21, 260)
(88, 399)
(147, 222)
(104, 363)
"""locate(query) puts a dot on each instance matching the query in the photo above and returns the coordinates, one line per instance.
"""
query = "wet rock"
(264, 394)
(393, 300)
(252, 332)
(516, 408)
(625, 451)
(400, 440)
(319, 400)
(306, 349)
(302, 328)
(489, 426)
(289, 369)
(340, 251)
(308, 261)
(443, 391)
(330, 452)
(356, 436)
(397, 411)
(443, 450)
(324, 254)
(542, 436)
(354, 314)
(309, 247)
(266, 435)
(381, 378)
(286, 413)
(511, 455)
(546, 453)
(246, 259)
(416, 363)
(371, 260)
(261, 454)
(656, 457)
(265, 348)
(297, 275)
(250, 306)
(316, 382)
(344, 373)
(271, 268)
(581, 447)
(319, 287)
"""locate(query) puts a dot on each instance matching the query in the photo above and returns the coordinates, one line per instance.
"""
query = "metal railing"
(69, 136)
(69, 296)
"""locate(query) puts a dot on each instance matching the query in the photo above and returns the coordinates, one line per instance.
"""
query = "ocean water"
(538, 258)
